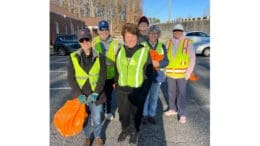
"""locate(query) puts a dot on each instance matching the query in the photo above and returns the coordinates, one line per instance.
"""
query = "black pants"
(130, 109)
(108, 89)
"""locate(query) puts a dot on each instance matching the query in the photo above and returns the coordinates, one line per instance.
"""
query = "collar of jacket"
(93, 51)
(108, 41)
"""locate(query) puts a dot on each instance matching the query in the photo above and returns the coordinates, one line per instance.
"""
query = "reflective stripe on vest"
(110, 55)
(131, 70)
(81, 76)
(179, 63)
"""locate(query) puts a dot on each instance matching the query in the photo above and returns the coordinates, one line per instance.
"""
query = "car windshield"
(200, 34)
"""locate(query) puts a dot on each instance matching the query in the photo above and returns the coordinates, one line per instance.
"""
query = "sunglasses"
(84, 39)
(177, 30)
(103, 29)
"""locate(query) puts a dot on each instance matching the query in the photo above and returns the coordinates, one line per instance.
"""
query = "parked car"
(197, 36)
(203, 47)
(65, 44)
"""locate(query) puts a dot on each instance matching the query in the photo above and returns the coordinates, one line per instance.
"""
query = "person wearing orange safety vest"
(181, 55)
(133, 77)
(86, 76)
(105, 44)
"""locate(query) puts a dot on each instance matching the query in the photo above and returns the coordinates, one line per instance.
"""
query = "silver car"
(197, 36)
(203, 47)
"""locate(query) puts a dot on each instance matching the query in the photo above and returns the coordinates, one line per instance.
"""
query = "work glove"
(82, 98)
(92, 98)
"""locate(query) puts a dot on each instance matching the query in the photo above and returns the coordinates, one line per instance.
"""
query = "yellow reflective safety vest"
(131, 70)
(179, 63)
(110, 55)
(158, 49)
(81, 76)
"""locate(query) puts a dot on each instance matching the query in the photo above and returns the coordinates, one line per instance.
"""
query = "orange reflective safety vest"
(179, 63)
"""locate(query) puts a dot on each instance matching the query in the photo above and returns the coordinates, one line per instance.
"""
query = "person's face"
(103, 34)
(143, 27)
(153, 36)
(130, 40)
(177, 34)
(85, 44)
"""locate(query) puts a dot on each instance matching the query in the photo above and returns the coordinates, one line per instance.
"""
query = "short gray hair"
(154, 28)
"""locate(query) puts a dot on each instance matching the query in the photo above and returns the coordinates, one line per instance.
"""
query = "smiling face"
(143, 27)
(177, 34)
(85, 44)
(130, 39)
(103, 34)
(153, 36)
(129, 33)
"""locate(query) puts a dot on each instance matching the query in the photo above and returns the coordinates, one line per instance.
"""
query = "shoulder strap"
(186, 45)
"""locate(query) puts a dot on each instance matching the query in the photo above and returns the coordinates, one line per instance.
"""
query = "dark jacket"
(159, 76)
(142, 38)
(136, 95)
(86, 63)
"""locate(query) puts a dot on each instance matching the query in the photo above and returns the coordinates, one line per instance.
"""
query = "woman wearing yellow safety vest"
(181, 55)
(159, 63)
(106, 45)
(86, 76)
(133, 73)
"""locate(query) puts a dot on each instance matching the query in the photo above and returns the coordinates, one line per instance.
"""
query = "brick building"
(63, 22)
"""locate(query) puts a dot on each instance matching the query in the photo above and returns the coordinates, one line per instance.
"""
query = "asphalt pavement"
(167, 132)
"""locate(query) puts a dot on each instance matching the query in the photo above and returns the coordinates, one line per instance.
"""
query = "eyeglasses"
(103, 29)
(84, 39)
(177, 30)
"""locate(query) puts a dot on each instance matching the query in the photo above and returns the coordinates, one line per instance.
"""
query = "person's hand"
(155, 64)
(82, 98)
(91, 98)
(187, 76)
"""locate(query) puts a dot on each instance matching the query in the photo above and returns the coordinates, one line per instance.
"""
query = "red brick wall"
(63, 22)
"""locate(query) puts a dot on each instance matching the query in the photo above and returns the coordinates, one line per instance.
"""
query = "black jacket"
(86, 62)
(140, 93)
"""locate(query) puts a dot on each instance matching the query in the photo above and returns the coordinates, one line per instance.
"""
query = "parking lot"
(167, 132)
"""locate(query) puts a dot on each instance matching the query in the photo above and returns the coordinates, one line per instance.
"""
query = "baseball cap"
(178, 27)
(84, 33)
(103, 25)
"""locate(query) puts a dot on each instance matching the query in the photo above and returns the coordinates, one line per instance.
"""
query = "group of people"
(102, 65)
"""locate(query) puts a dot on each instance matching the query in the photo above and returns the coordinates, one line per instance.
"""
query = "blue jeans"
(94, 121)
(150, 104)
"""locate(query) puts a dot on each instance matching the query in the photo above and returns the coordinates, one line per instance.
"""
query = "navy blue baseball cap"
(103, 25)
(84, 33)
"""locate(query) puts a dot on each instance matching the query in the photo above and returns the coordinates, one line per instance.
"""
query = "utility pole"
(169, 10)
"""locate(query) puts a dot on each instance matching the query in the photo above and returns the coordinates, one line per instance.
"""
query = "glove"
(82, 98)
(91, 98)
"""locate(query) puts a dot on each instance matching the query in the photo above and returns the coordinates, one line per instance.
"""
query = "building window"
(71, 27)
(57, 28)
(66, 29)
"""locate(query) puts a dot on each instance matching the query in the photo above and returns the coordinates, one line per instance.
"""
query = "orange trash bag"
(155, 55)
(69, 119)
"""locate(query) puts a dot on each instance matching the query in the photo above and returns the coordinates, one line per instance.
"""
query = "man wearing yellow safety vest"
(181, 55)
(86, 76)
(105, 44)
(133, 74)
(159, 77)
